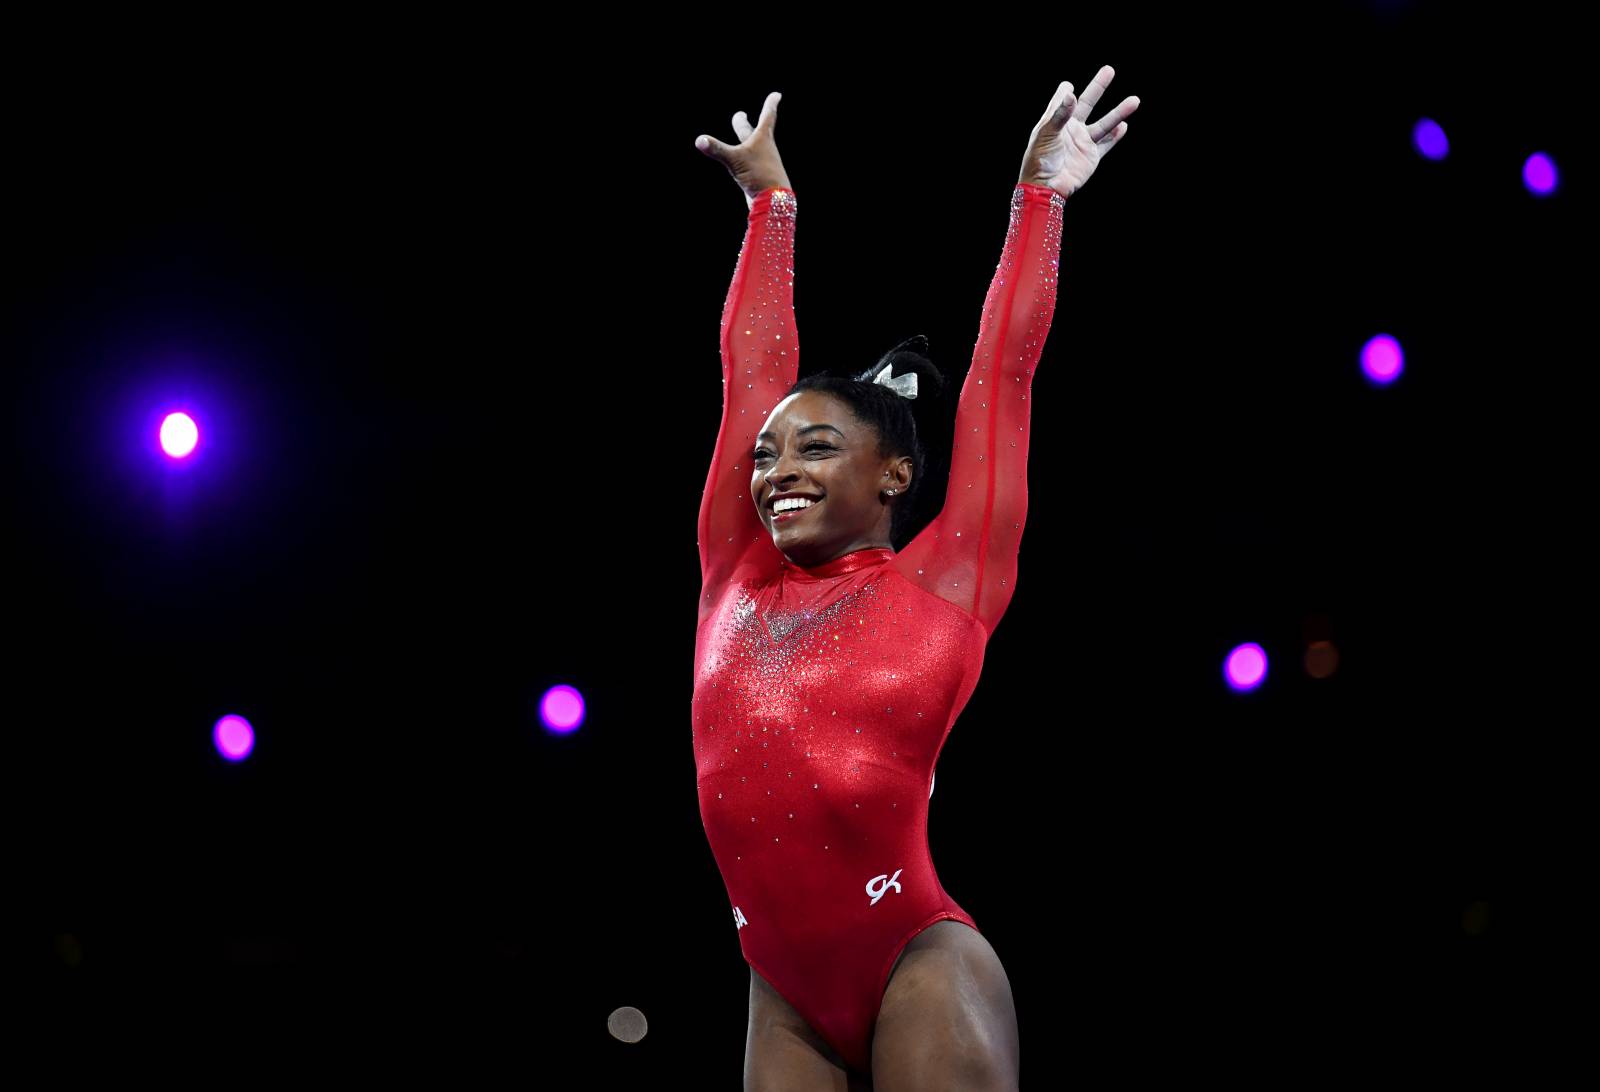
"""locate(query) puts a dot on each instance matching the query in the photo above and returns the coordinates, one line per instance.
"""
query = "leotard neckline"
(839, 566)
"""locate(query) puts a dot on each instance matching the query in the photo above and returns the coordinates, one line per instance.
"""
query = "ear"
(901, 473)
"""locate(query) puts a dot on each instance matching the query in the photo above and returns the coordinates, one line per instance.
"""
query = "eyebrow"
(802, 432)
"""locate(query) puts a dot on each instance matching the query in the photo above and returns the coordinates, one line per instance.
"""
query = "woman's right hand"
(754, 162)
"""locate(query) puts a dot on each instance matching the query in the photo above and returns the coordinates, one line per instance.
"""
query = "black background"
(447, 301)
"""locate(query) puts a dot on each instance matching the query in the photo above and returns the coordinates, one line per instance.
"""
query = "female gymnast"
(829, 667)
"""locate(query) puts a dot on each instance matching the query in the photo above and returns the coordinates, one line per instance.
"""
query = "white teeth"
(791, 503)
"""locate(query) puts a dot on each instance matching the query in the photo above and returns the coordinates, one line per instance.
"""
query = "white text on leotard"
(876, 887)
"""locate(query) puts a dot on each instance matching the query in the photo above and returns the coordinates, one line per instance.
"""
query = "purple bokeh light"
(179, 435)
(561, 709)
(1539, 174)
(1246, 667)
(1382, 359)
(1430, 139)
(234, 737)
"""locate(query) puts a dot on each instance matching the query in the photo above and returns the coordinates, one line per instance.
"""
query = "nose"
(781, 476)
(782, 472)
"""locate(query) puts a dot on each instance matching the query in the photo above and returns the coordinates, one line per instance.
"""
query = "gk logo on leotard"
(738, 918)
(877, 888)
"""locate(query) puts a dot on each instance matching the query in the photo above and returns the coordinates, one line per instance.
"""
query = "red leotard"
(823, 696)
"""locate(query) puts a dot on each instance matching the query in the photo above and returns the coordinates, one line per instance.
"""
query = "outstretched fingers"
(711, 146)
(1091, 94)
(769, 111)
(769, 116)
(1060, 109)
(1114, 124)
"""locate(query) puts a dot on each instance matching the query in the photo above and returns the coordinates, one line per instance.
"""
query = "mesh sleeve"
(968, 554)
(760, 362)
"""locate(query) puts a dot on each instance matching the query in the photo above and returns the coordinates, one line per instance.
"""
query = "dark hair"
(889, 413)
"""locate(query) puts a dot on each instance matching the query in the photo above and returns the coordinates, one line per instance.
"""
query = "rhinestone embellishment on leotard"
(816, 664)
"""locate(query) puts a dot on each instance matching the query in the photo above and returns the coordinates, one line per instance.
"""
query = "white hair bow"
(903, 385)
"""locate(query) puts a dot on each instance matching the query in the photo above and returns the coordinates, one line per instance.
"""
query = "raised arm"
(968, 554)
(760, 352)
(760, 362)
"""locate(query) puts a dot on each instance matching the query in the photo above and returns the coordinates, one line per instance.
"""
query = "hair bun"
(910, 356)
(917, 343)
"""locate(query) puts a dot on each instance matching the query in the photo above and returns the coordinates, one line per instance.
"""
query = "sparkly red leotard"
(823, 696)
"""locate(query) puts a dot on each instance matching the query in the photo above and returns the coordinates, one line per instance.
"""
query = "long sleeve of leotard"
(760, 362)
(968, 554)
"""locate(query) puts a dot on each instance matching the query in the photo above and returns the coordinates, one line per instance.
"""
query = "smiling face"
(813, 446)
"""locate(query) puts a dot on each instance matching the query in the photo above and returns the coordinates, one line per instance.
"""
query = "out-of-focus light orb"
(1322, 659)
(627, 1024)
(1430, 139)
(234, 737)
(561, 709)
(1539, 175)
(179, 434)
(1382, 359)
(1246, 667)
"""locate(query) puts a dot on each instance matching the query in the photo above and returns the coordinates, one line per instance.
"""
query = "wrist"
(762, 200)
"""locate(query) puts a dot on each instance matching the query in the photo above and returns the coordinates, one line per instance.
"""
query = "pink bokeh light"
(1246, 668)
(234, 737)
(1382, 359)
(562, 709)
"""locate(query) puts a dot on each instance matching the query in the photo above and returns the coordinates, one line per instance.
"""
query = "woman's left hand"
(1065, 147)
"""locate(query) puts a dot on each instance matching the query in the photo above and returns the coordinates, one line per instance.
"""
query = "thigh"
(948, 1019)
(783, 1053)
